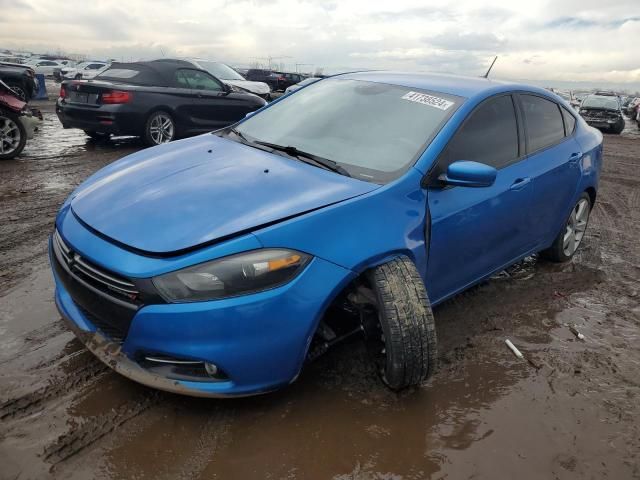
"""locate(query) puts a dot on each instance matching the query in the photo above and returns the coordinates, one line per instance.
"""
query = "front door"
(476, 231)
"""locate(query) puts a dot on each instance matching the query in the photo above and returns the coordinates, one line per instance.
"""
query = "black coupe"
(157, 101)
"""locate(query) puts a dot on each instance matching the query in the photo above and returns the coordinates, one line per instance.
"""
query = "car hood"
(174, 197)
(259, 88)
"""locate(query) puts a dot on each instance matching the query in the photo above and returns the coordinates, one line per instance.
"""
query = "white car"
(45, 67)
(228, 75)
(83, 70)
(299, 85)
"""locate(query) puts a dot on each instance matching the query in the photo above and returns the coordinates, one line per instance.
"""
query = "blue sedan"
(219, 265)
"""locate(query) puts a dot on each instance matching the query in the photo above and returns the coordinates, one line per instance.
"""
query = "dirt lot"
(572, 413)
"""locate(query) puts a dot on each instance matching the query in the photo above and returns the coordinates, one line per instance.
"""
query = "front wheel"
(13, 136)
(399, 328)
(159, 129)
(568, 240)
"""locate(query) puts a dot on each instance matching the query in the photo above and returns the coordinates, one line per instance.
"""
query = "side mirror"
(464, 173)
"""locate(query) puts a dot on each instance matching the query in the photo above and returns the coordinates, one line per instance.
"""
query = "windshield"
(220, 70)
(600, 102)
(373, 130)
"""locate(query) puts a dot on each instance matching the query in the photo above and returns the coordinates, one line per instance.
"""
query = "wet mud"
(569, 411)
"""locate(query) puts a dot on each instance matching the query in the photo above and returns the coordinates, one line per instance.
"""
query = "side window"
(94, 66)
(200, 81)
(543, 120)
(489, 136)
(181, 79)
(569, 122)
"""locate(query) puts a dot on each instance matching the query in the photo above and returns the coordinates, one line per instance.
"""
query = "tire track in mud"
(211, 437)
(94, 428)
(58, 386)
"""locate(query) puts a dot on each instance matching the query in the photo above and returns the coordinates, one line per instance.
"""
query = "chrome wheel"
(161, 129)
(9, 136)
(576, 227)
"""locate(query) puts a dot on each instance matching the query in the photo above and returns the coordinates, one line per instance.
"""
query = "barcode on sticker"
(430, 100)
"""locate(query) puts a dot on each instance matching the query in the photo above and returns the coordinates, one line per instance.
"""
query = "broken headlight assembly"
(240, 274)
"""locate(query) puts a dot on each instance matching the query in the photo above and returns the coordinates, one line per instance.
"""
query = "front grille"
(102, 279)
(106, 299)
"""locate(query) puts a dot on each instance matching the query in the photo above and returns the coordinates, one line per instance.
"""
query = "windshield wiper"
(245, 141)
(306, 157)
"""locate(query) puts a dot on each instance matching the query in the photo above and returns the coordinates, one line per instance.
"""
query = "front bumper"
(260, 340)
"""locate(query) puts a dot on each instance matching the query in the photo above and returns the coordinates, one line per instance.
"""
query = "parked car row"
(158, 101)
(278, 81)
(18, 123)
(83, 70)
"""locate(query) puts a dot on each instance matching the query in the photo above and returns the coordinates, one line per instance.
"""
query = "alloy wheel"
(9, 135)
(161, 129)
(576, 227)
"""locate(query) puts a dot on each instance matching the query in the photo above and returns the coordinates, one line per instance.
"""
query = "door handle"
(575, 156)
(520, 183)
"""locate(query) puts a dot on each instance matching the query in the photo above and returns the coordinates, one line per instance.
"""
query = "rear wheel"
(399, 327)
(159, 128)
(568, 240)
(13, 136)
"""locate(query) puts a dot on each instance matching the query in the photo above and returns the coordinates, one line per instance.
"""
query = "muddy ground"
(573, 412)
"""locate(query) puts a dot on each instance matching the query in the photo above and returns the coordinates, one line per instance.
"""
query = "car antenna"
(486, 75)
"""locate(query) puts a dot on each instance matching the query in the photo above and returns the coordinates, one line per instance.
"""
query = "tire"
(157, 131)
(20, 91)
(559, 251)
(13, 136)
(400, 333)
(97, 135)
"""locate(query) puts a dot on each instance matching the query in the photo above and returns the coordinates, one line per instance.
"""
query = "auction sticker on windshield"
(430, 100)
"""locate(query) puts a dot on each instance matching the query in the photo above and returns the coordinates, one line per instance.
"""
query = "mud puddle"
(569, 413)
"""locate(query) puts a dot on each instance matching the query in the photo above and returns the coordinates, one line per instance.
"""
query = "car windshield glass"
(220, 70)
(375, 131)
(600, 102)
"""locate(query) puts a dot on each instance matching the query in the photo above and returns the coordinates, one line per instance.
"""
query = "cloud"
(466, 41)
(544, 40)
(577, 22)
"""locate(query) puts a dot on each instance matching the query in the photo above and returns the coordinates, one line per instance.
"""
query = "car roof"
(157, 73)
(451, 84)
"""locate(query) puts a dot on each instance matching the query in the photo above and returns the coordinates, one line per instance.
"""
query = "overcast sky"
(555, 41)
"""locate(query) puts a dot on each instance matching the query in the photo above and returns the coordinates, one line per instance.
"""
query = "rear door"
(476, 231)
(555, 158)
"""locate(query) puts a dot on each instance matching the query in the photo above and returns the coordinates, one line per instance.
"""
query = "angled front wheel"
(399, 326)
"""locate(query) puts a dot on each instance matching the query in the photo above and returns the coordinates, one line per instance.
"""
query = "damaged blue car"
(219, 265)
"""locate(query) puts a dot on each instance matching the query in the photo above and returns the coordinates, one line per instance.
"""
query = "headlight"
(240, 274)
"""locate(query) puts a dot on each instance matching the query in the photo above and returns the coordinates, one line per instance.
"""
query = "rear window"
(544, 122)
(120, 73)
(133, 75)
